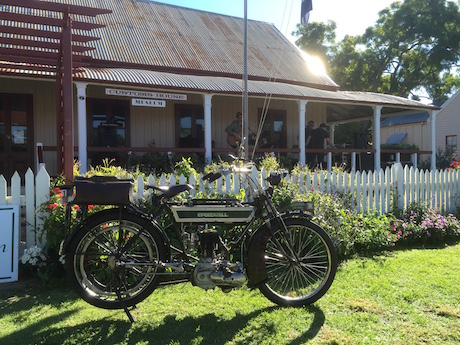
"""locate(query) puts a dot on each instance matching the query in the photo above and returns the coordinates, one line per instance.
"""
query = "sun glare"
(314, 64)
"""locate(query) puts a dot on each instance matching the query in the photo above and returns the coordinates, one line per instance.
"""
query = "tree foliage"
(414, 45)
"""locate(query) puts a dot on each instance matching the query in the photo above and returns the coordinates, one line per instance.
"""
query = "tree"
(414, 45)
(316, 38)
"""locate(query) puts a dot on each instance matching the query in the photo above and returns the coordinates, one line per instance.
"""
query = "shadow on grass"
(206, 329)
(209, 329)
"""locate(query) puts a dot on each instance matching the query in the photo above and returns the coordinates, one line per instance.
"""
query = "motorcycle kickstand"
(123, 304)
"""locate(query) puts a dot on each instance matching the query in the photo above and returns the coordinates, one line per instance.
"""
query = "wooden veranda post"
(64, 111)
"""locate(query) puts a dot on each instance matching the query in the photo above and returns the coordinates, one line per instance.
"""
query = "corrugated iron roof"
(405, 119)
(166, 37)
(171, 47)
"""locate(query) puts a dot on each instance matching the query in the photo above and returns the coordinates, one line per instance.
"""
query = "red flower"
(76, 207)
(52, 206)
(57, 190)
(90, 207)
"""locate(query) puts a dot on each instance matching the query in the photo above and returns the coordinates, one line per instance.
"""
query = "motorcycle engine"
(210, 273)
(214, 269)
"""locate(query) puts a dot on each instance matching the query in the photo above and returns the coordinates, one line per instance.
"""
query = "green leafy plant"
(269, 163)
(185, 167)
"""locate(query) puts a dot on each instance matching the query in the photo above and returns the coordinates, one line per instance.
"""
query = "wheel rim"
(300, 270)
(104, 269)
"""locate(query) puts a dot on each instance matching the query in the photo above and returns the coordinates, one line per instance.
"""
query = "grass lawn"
(404, 297)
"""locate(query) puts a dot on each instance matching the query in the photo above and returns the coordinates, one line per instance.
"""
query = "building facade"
(156, 78)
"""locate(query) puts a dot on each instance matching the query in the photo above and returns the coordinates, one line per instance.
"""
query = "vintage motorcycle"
(117, 257)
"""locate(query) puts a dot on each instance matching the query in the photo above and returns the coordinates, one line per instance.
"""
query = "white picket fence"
(369, 191)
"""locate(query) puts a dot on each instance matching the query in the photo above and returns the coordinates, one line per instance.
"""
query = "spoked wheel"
(113, 260)
(300, 263)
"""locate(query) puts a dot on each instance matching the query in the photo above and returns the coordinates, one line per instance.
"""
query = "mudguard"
(255, 268)
(82, 225)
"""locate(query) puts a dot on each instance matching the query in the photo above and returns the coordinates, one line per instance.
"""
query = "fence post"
(140, 187)
(413, 158)
(30, 208)
(16, 189)
(353, 162)
(387, 190)
(42, 183)
(3, 190)
(399, 185)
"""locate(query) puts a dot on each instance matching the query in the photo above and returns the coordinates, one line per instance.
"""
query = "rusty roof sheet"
(167, 37)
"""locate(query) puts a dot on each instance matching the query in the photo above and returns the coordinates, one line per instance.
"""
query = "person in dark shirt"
(316, 141)
(309, 157)
(309, 128)
(234, 130)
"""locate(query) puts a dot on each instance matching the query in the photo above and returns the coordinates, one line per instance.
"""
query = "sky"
(352, 16)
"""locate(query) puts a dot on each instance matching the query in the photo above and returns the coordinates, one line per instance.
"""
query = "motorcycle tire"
(109, 263)
(301, 263)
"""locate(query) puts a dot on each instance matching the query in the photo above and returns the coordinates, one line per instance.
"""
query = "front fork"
(268, 205)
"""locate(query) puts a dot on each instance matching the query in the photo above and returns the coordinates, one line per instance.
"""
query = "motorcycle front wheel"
(111, 261)
(301, 263)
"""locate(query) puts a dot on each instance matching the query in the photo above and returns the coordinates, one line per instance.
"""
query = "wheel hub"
(114, 262)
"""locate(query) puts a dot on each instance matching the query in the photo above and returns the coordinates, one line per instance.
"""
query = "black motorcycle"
(117, 257)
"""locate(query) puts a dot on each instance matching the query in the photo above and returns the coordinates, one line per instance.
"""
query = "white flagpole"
(245, 103)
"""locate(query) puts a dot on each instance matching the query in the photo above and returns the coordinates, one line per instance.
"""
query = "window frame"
(450, 149)
(91, 102)
(196, 112)
(271, 117)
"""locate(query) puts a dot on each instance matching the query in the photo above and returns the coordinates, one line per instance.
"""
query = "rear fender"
(82, 227)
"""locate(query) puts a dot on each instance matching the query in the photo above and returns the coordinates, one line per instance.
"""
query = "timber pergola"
(37, 37)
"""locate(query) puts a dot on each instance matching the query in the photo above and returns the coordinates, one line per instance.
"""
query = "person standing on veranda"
(316, 141)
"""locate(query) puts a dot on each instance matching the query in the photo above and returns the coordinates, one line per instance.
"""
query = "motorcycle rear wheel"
(303, 269)
(110, 262)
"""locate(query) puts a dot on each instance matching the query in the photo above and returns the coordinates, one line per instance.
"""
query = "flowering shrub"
(439, 227)
(350, 231)
(420, 224)
(53, 230)
(455, 165)
(34, 257)
(37, 263)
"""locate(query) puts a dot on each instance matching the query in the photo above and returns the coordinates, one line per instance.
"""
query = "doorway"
(16, 134)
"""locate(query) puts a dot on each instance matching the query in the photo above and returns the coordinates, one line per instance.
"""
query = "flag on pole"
(305, 12)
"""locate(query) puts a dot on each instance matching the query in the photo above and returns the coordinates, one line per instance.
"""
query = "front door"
(16, 134)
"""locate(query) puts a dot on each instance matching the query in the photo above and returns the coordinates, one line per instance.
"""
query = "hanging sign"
(148, 103)
(146, 94)
(9, 243)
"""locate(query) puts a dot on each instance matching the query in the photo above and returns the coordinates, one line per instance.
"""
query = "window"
(451, 144)
(108, 123)
(189, 125)
(273, 129)
(108, 126)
